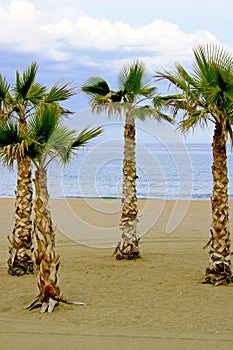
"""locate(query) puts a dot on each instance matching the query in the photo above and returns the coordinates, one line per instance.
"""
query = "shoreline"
(118, 198)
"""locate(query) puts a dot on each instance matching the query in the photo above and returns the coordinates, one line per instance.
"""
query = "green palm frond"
(96, 87)
(25, 89)
(211, 54)
(207, 93)
(117, 96)
(184, 80)
(145, 112)
(131, 79)
(59, 144)
(63, 142)
(148, 91)
(113, 109)
(59, 93)
(79, 140)
(178, 78)
(50, 138)
(169, 105)
(13, 152)
(213, 70)
(160, 101)
(9, 133)
(13, 145)
(25, 82)
(35, 94)
(28, 96)
(130, 76)
(85, 136)
(191, 121)
(43, 131)
(43, 123)
(4, 88)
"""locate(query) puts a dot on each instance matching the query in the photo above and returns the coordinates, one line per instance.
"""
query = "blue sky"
(73, 40)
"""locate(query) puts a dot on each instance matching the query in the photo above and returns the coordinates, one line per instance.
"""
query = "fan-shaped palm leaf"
(13, 146)
(59, 93)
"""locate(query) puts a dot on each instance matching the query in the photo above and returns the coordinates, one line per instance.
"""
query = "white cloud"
(61, 38)
(19, 22)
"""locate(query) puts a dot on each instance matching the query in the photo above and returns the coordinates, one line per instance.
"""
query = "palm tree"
(133, 91)
(45, 140)
(206, 96)
(21, 102)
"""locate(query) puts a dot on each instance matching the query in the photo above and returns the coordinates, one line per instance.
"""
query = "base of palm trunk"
(48, 306)
(220, 275)
(20, 266)
(127, 251)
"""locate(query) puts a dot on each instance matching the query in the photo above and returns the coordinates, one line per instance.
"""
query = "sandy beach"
(156, 302)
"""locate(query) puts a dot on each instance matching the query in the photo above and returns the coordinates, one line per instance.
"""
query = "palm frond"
(35, 93)
(59, 144)
(9, 133)
(13, 152)
(191, 121)
(132, 82)
(176, 78)
(24, 83)
(64, 142)
(130, 76)
(113, 109)
(96, 87)
(50, 138)
(4, 89)
(85, 136)
(206, 55)
(145, 112)
(59, 93)
(76, 141)
(207, 93)
(43, 123)
(13, 145)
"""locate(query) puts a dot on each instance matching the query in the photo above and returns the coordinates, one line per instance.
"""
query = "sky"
(75, 40)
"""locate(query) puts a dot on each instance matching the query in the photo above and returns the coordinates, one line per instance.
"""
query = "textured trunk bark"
(46, 259)
(20, 261)
(128, 247)
(219, 270)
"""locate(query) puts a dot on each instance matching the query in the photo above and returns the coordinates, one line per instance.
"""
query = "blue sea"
(172, 171)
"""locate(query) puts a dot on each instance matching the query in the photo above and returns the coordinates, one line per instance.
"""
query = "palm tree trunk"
(46, 259)
(128, 247)
(20, 261)
(219, 270)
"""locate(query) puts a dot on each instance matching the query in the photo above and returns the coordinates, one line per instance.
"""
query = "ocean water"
(172, 171)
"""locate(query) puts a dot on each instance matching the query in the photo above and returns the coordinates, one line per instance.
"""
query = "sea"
(171, 171)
